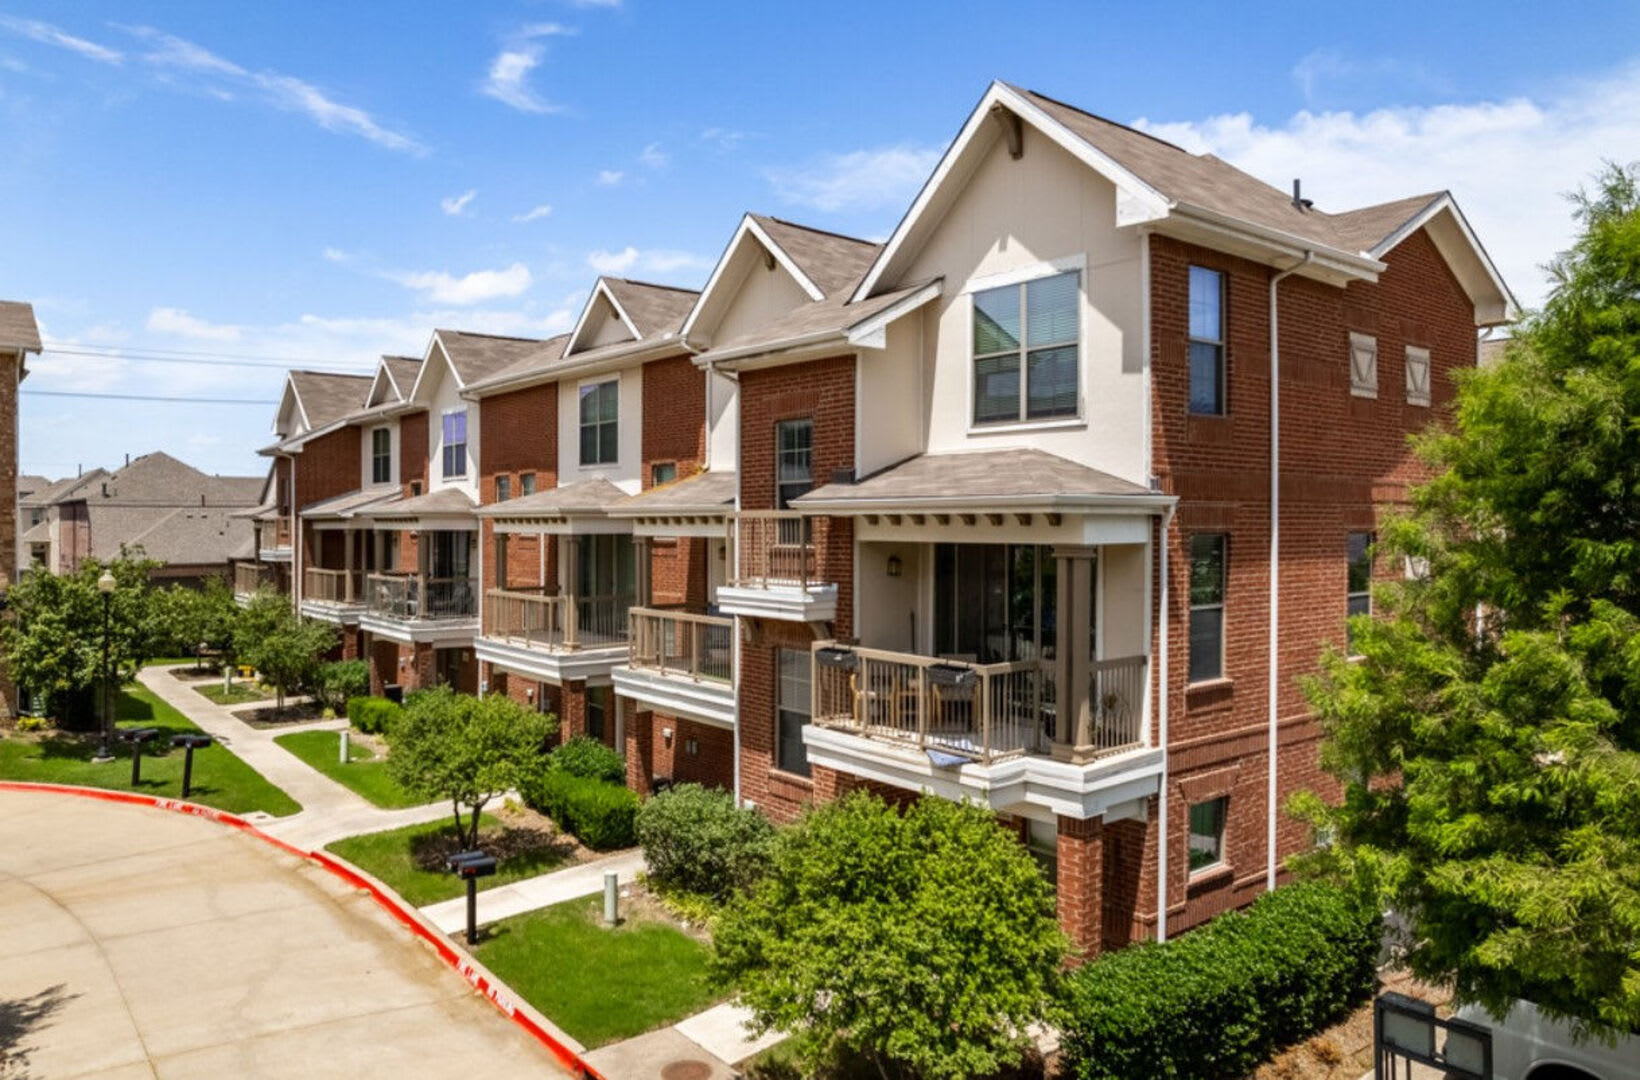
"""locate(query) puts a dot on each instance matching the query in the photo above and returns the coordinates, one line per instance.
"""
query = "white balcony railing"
(682, 645)
(249, 578)
(540, 621)
(332, 586)
(778, 548)
(417, 596)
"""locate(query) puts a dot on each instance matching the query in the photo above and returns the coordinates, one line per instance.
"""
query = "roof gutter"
(1284, 243)
(651, 349)
(901, 504)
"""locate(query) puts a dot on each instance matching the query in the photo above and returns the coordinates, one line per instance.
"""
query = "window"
(1207, 833)
(1359, 600)
(1417, 376)
(794, 460)
(790, 753)
(600, 430)
(503, 488)
(1206, 341)
(662, 472)
(597, 710)
(1025, 345)
(455, 443)
(526, 483)
(1363, 365)
(381, 455)
(1206, 607)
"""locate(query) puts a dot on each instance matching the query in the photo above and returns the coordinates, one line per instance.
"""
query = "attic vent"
(1299, 201)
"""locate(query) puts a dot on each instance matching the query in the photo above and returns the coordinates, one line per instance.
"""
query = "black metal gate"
(1406, 1032)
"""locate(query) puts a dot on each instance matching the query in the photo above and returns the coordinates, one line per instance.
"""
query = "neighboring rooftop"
(18, 330)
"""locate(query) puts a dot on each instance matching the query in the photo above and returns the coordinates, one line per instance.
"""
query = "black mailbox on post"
(189, 742)
(469, 866)
(136, 737)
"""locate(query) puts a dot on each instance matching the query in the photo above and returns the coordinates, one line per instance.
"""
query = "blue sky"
(318, 184)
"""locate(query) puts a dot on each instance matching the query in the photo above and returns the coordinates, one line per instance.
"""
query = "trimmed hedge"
(1214, 1003)
(373, 715)
(586, 757)
(601, 815)
(696, 839)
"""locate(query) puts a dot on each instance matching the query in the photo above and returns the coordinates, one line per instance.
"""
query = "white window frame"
(1023, 275)
(388, 431)
(1220, 606)
(1363, 365)
(1351, 596)
(445, 446)
(580, 424)
(1221, 343)
(1418, 370)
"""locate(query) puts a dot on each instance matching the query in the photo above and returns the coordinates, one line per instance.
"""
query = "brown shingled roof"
(653, 309)
(18, 330)
(404, 370)
(832, 261)
(476, 356)
(327, 397)
(1020, 474)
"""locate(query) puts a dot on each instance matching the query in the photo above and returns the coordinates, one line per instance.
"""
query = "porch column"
(641, 578)
(1073, 723)
(349, 537)
(1080, 883)
(571, 574)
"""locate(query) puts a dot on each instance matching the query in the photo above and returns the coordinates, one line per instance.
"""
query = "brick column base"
(1081, 884)
(572, 709)
(640, 750)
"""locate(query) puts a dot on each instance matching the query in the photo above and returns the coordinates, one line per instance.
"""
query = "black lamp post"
(106, 585)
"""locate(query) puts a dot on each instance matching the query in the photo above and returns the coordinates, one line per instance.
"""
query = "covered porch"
(340, 551)
(432, 594)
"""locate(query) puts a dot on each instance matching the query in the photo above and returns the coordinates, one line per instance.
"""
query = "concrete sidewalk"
(536, 892)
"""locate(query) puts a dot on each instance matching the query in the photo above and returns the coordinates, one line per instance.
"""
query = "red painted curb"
(491, 992)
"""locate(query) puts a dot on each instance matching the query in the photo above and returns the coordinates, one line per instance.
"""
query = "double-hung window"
(1206, 607)
(526, 483)
(791, 755)
(1207, 833)
(455, 443)
(1026, 339)
(503, 488)
(600, 423)
(381, 455)
(1359, 589)
(1206, 341)
(794, 460)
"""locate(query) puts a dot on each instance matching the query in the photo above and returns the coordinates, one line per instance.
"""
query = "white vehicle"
(1526, 1045)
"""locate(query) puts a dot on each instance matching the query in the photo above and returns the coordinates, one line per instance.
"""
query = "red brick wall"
(413, 450)
(674, 416)
(1341, 458)
(678, 571)
(1080, 886)
(518, 435)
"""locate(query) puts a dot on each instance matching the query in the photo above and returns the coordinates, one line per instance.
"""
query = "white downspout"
(1275, 564)
(295, 540)
(1161, 738)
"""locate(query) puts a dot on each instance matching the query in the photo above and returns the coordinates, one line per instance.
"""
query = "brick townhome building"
(988, 511)
(19, 337)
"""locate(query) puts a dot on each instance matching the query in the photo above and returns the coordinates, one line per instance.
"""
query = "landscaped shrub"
(696, 839)
(339, 682)
(601, 815)
(1214, 1003)
(373, 715)
(586, 757)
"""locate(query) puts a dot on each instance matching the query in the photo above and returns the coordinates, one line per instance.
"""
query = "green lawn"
(240, 693)
(365, 775)
(411, 860)
(220, 778)
(599, 983)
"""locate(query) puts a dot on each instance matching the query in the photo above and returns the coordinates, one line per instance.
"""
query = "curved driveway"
(137, 942)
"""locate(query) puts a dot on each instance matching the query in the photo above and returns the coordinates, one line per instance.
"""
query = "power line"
(147, 397)
(161, 350)
(142, 357)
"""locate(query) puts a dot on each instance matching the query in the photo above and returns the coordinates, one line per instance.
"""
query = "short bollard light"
(612, 898)
(136, 737)
(469, 866)
(189, 743)
(343, 741)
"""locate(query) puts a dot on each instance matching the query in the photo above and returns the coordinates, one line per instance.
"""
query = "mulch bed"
(193, 674)
(522, 832)
(1344, 1051)
(273, 717)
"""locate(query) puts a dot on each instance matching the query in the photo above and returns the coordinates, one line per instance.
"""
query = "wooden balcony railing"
(682, 644)
(985, 712)
(278, 536)
(551, 623)
(250, 578)
(332, 586)
(778, 548)
(417, 596)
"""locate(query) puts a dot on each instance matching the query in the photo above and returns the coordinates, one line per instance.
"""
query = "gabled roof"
(1157, 181)
(322, 397)
(999, 478)
(832, 319)
(475, 356)
(593, 495)
(61, 490)
(651, 309)
(18, 330)
(188, 536)
(441, 503)
(710, 492)
(535, 363)
(347, 505)
(394, 378)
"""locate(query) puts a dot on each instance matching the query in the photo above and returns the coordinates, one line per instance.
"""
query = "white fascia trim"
(291, 394)
(1021, 274)
(1445, 202)
(678, 695)
(1151, 203)
(872, 333)
(804, 341)
(1018, 504)
(1344, 262)
(748, 225)
(622, 355)
(426, 362)
(599, 289)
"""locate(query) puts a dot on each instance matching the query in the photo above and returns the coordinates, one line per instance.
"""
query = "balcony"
(546, 635)
(274, 538)
(251, 578)
(681, 663)
(778, 567)
(990, 732)
(418, 608)
(332, 595)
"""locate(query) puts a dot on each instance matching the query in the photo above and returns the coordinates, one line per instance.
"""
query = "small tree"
(289, 655)
(339, 681)
(182, 619)
(261, 616)
(925, 942)
(466, 749)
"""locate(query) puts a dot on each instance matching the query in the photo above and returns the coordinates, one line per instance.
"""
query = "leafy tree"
(925, 942)
(53, 643)
(289, 654)
(339, 681)
(1488, 739)
(181, 619)
(466, 749)
(261, 616)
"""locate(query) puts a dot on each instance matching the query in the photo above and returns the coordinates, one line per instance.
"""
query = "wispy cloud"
(175, 321)
(456, 205)
(287, 92)
(1507, 161)
(653, 157)
(1330, 70)
(534, 213)
(508, 79)
(475, 288)
(724, 139)
(47, 34)
(336, 255)
(651, 261)
(859, 180)
(610, 177)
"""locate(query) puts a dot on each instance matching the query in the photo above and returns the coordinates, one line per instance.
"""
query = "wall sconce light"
(529, 693)
(894, 566)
